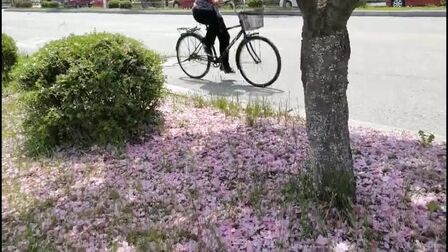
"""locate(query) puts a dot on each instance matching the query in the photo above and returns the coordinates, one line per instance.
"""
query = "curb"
(421, 13)
(301, 113)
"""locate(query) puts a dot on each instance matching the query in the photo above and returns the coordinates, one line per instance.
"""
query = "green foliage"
(228, 107)
(425, 138)
(199, 101)
(125, 4)
(257, 109)
(443, 2)
(361, 4)
(50, 4)
(337, 188)
(9, 54)
(156, 239)
(300, 188)
(98, 88)
(23, 3)
(113, 4)
(432, 206)
(301, 191)
(255, 3)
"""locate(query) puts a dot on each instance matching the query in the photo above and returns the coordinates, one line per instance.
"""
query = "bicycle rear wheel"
(191, 55)
(259, 61)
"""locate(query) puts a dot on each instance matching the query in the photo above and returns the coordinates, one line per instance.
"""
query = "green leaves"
(89, 89)
(425, 138)
(9, 54)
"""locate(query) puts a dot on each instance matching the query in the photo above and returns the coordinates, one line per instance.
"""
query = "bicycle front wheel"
(258, 60)
(191, 55)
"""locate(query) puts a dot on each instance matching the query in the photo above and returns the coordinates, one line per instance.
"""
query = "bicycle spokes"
(191, 56)
(258, 61)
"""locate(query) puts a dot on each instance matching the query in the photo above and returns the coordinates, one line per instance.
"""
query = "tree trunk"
(324, 63)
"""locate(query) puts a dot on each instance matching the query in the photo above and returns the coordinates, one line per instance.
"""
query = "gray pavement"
(397, 70)
(267, 11)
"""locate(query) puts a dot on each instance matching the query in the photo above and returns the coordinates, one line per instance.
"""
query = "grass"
(252, 111)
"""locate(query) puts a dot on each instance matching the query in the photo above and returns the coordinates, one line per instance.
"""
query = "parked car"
(402, 3)
(79, 3)
(288, 3)
(184, 4)
(74, 3)
(97, 3)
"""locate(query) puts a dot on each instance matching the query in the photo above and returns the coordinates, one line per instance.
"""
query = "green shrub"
(50, 4)
(23, 3)
(255, 3)
(113, 4)
(9, 54)
(125, 4)
(361, 4)
(425, 138)
(98, 88)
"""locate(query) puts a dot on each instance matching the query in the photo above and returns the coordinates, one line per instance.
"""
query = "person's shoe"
(227, 69)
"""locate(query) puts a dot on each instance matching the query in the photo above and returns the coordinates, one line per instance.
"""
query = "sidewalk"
(269, 12)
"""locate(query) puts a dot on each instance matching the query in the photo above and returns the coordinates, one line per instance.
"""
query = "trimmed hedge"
(120, 4)
(50, 4)
(9, 54)
(255, 4)
(113, 4)
(98, 88)
(23, 3)
(125, 4)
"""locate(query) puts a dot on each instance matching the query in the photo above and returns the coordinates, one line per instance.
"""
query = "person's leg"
(208, 17)
(224, 38)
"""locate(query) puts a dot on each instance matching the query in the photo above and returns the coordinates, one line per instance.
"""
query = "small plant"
(23, 3)
(9, 54)
(149, 240)
(125, 4)
(229, 108)
(257, 109)
(113, 4)
(300, 189)
(199, 101)
(255, 3)
(432, 206)
(425, 138)
(50, 4)
(256, 197)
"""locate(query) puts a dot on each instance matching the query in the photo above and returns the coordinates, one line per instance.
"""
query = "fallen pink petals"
(210, 181)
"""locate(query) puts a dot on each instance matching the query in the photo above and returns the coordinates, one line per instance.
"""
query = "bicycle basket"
(251, 20)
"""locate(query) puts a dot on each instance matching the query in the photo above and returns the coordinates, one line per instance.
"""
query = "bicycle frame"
(217, 60)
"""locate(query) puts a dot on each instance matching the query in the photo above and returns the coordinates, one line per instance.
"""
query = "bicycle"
(253, 52)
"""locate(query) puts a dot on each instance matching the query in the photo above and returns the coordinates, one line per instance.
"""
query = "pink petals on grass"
(210, 181)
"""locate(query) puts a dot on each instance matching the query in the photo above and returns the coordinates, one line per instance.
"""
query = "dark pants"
(216, 27)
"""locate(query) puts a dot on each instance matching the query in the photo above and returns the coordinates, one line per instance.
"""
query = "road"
(397, 69)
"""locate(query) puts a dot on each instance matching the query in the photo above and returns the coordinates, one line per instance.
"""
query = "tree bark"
(325, 54)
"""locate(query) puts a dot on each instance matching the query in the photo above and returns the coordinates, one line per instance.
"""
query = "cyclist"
(206, 12)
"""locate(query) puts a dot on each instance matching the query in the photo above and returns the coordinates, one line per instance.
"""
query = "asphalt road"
(397, 70)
